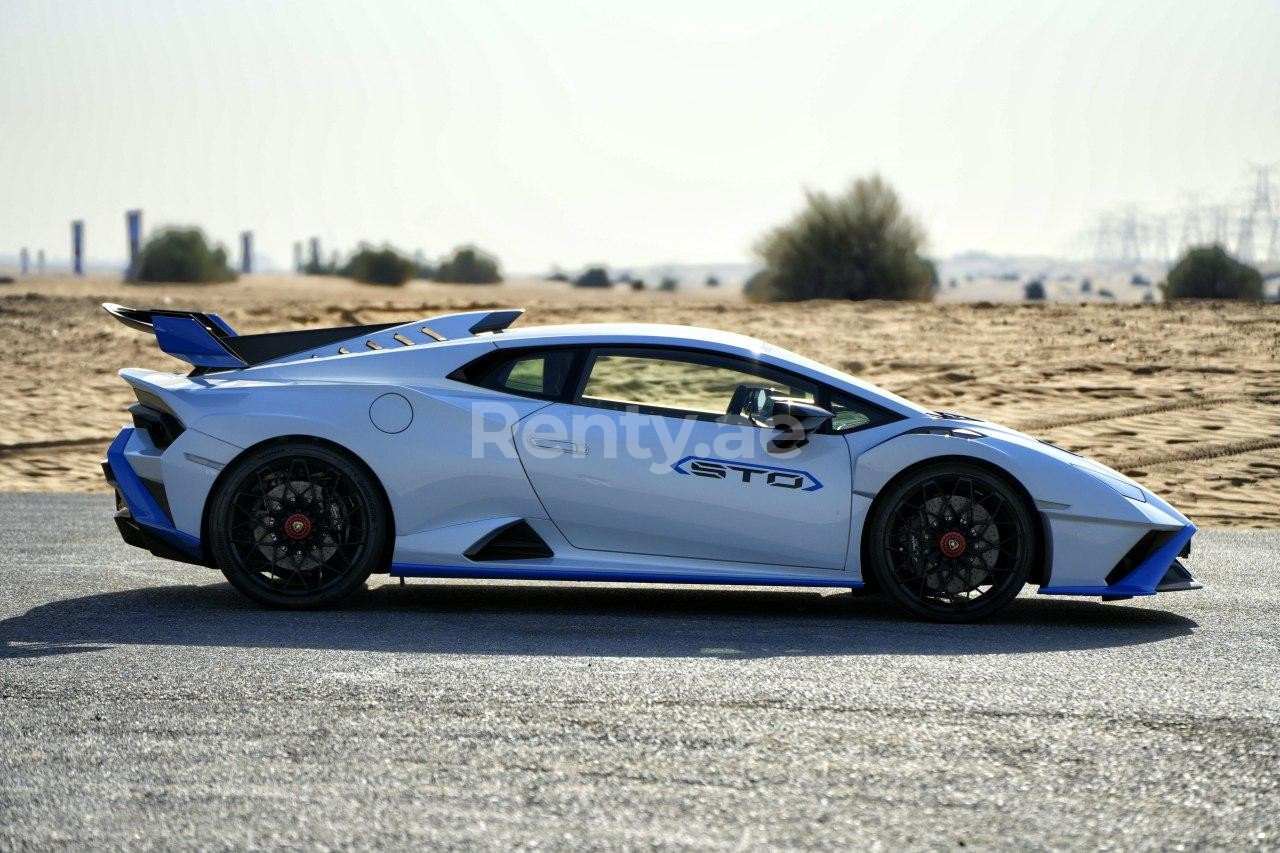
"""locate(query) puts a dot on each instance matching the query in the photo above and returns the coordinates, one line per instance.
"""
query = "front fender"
(1053, 484)
(1089, 525)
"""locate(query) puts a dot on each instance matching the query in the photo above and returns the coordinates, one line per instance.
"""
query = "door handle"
(558, 444)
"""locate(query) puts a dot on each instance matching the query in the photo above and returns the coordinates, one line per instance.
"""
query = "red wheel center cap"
(297, 526)
(952, 544)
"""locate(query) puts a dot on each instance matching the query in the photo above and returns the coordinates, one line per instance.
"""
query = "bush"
(593, 277)
(637, 284)
(713, 281)
(859, 245)
(756, 286)
(1086, 286)
(469, 265)
(380, 266)
(1208, 272)
(1034, 290)
(182, 254)
(668, 284)
(313, 267)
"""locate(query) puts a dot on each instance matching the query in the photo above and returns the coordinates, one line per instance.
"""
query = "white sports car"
(454, 447)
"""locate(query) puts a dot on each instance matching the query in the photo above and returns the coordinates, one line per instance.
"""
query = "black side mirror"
(796, 419)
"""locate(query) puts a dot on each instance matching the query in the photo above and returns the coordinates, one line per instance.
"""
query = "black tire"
(952, 542)
(297, 525)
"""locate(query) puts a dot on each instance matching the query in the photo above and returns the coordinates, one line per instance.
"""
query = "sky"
(564, 132)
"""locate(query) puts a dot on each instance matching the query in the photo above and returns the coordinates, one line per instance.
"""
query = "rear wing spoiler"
(206, 341)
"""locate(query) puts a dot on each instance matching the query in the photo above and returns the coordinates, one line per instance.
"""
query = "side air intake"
(515, 541)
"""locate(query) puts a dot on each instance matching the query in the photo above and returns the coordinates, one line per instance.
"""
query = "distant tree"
(1106, 294)
(713, 281)
(182, 254)
(934, 282)
(557, 274)
(422, 267)
(1034, 290)
(756, 287)
(593, 277)
(857, 245)
(380, 266)
(1208, 272)
(469, 265)
(668, 284)
(315, 266)
(1086, 285)
(637, 284)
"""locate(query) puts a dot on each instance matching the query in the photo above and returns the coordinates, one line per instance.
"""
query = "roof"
(634, 333)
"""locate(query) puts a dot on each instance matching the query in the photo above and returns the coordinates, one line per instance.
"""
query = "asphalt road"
(145, 704)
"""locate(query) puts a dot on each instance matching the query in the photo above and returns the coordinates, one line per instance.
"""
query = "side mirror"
(797, 420)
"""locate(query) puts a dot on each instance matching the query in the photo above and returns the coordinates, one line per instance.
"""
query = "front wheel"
(297, 526)
(953, 542)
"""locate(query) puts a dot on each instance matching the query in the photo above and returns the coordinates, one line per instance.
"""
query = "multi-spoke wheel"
(297, 525)
(953, 542)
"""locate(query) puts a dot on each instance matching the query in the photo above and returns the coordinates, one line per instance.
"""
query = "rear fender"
(430, 470)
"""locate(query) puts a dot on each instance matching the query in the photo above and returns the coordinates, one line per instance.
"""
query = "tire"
(952, 542)
(297, 525)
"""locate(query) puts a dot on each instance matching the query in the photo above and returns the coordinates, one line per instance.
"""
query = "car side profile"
(300, 462)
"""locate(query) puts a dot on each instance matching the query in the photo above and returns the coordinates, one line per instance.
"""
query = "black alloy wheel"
(297, 526)
(953, 542)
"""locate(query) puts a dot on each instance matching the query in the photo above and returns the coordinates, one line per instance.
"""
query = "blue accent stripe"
(538, 573)
(144, 508)
(1144, 579)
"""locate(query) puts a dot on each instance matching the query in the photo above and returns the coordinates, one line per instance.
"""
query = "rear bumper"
(139, 536)
(140, 517)
(1159, 571)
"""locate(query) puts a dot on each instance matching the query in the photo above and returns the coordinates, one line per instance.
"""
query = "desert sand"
(1185, 398)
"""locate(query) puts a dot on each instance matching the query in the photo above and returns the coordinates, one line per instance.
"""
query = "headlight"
(1124, 487)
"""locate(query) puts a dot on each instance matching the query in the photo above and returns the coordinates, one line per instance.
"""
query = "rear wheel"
(297, 526)
(953, 542)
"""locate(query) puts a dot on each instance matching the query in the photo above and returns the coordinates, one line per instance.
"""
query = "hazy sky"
(631, 133)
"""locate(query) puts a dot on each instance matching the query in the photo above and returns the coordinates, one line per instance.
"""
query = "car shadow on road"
(497, 618)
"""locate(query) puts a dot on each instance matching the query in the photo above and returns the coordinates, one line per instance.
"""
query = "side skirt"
(548, 573)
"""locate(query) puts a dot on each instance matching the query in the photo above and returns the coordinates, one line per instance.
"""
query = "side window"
(851, 414)
(542, 374)
(680, 383)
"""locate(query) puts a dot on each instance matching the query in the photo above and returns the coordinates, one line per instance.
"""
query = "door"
(647, 457)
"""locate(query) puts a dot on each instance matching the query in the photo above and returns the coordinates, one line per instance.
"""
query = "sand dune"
(1185, 398)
